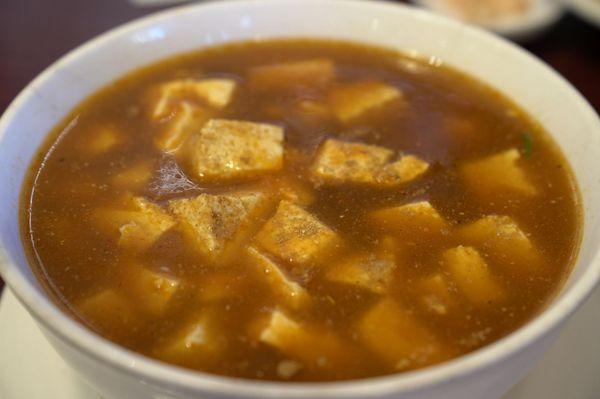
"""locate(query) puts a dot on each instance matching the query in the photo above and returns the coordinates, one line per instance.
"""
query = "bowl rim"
(157, 373)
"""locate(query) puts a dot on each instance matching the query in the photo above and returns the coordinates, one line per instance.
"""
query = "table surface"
(34, 33)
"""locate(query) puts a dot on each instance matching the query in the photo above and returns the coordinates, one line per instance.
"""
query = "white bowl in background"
(119, 373)
(588, 10)
(539, 17)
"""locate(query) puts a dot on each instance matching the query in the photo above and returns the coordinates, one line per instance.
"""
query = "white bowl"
(540, 16)
(117, 372)
(589, 10)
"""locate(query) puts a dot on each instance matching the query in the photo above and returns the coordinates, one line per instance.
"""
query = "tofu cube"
(295, 236)
(151, 290)
(286, 75)
(434, 294)
(215, 223)
(406, 169)
(399, 338)
(104, 139)
(109, 311)
(196, 339)
(472, 276)
(220, 287)
(216, 93)
(317, 348)
(370, 271)
(188, 119)
(354, 100)
(228, 149)
(413, 220)
(133, 178)
(498, 174)
(285, 289)
(503, 239)
(338, 162)
(138, 226)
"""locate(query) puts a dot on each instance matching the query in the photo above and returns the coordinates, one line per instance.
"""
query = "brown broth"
(446, 119)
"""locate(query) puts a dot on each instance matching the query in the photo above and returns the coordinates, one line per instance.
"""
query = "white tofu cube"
(134, 177)
(435, 294)
(413, 220)
(286, 75)
(196, 339)
(216, 93)
(138, 225)
(104, 139)
(109, 311)
(295, 236)
(228, 149)
(285, 289)
(188, 120)
(370, 271)
(502, 238)
(151, 290)
(354, 100)
(215, 223)
(316, 347)
(399, 338)
(498, 174)
(338, 162)
(472, 276)
(220, 287)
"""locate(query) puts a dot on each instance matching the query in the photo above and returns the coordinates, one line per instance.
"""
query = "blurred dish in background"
(588, 10)
(155, 3)
(520, 20)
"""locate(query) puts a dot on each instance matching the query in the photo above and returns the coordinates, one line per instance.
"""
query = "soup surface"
(300, 210)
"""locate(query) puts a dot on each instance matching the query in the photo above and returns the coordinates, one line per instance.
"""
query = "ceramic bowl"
(118, 373)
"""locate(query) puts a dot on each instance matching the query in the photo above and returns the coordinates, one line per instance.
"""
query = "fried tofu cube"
(294, 235)
(338, 162)
(284, 75)
(109, 311)
(188, 119)
(502, 238)
(416, 219)
(151, 290)
(407, 168)
(316, 347)
(228, 149)
(139, 225)
(104, 139)
(214, 223)
(498, 174)
(434, 294)
(472, 275)
(195, 339)
(216, 93)
(370, 271)
(134, 177)
(399, 338)
(354, 100)
(285, 289)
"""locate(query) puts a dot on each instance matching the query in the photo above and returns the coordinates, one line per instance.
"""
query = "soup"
(300, 210)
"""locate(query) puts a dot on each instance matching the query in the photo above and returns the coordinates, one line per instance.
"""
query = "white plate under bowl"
(569, 369)
(540, 17)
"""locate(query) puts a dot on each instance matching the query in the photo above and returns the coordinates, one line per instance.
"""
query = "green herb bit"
(527, 144)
